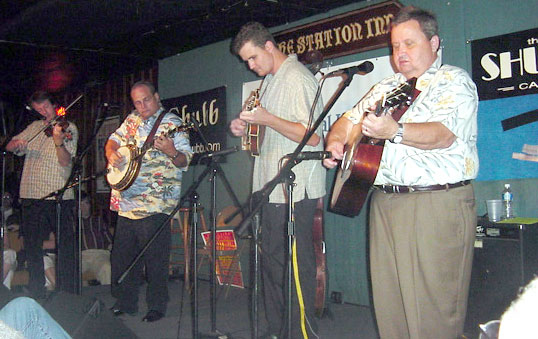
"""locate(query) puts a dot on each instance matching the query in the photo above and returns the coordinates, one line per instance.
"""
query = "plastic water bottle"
(508, 202)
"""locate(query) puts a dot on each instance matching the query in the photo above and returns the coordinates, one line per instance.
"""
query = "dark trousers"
(130, 237)
(38, 220)
(274, 238)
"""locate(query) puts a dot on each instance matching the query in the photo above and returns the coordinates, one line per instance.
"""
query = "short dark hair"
(254, 32)
(40, 96)
(146, 83)
(426, 19)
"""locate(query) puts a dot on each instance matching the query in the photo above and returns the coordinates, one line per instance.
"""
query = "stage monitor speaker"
(505, 260)
(85, 317)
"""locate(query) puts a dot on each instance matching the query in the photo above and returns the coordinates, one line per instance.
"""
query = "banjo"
(122, 177)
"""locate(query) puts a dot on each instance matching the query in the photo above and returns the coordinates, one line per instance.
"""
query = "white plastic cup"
(494, 208)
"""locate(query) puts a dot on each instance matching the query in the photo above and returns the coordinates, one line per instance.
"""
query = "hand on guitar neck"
(165, 145)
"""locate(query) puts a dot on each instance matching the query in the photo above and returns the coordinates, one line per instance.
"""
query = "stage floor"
(232, 316)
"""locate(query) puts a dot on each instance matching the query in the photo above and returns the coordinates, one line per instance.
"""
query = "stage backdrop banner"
(349, 33)
(506, 65)
(208, 108)
(504, 70)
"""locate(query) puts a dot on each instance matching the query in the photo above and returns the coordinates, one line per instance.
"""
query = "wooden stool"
(182, 218)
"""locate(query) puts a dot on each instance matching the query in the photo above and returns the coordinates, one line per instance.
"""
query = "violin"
(63, 123)
(59, 118)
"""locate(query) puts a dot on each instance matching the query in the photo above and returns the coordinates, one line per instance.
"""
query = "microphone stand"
(215, 169)
(284, 173)
(75, 180)
(2, 213)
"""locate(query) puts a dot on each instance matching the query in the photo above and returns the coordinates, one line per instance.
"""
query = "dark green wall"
(461, 21)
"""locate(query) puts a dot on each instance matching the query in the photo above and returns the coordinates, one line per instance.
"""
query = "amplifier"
(486, 228)
(505, 259)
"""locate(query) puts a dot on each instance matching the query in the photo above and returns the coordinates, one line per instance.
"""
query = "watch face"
(397, 139)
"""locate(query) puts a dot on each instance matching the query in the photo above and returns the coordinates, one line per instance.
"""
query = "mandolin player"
(146, 202)
(47, 166)
(286, 96)
(422, 212)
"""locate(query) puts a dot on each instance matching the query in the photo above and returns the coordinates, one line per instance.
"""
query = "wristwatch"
(398, 137)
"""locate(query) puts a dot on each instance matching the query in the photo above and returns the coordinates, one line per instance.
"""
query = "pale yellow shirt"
(42, 173)
(289, 94)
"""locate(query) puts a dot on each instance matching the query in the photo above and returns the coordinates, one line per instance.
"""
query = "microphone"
(219, 153)
(320, 155)
(364, 68)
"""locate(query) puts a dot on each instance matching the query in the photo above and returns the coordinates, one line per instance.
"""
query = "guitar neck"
(168, 134)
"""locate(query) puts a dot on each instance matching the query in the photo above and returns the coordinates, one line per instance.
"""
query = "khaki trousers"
(421, 252)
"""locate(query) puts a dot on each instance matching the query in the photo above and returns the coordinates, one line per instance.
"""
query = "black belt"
(407, 189)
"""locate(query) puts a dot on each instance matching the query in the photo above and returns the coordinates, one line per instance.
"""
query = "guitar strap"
(153, 130)
(397, 114)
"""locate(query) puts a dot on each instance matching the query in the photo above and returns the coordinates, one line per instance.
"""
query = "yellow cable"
(298, 288)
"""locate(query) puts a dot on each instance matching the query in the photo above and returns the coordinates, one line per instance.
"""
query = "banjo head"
(119, 177)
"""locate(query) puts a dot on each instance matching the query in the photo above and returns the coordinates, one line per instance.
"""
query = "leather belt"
(409, 189)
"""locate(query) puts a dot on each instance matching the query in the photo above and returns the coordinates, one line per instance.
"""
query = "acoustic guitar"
(122, 177)
(362, 156)
(252, 140)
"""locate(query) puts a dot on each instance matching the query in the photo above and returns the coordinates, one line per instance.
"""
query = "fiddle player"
(287, 93)
(47, 166)
(422, 214)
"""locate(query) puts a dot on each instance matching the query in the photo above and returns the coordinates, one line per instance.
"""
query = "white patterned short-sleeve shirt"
(448, 95)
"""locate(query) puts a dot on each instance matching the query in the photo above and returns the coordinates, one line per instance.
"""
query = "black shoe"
(116, 311)
(152, 316)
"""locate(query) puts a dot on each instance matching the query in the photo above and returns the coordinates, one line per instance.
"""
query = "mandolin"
(252, 140)
(362, 155)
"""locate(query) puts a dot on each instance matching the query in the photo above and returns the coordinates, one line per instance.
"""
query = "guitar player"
(286, 95)
(422, 213)
(147, 202)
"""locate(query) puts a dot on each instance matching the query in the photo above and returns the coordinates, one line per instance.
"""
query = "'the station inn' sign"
(353, 32)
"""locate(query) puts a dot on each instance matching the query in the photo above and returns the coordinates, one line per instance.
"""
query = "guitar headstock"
(401, 95)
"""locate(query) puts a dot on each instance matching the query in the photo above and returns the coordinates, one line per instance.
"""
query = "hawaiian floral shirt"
(447, 95)
(157, 188)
